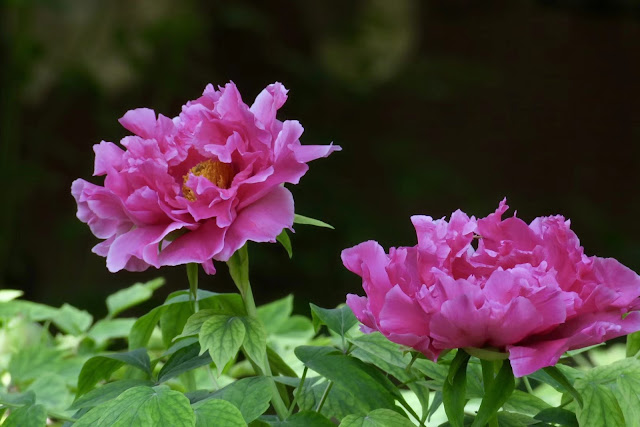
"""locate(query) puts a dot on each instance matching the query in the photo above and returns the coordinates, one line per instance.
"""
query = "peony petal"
(619, 278)
(268, 102)
(108, 158)
(141, 121)
(262, 221)
(197, 246)
(580, 333)
(359, 306)
(402, 315)
(133, 244)
(460, 324)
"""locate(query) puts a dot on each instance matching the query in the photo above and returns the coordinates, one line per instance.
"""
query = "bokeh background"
(438, 105)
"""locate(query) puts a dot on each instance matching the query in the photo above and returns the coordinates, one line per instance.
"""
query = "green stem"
(324, 396)
(298, 391)
(239, 270)
(488, 376)
(192, 275)
(527, 384)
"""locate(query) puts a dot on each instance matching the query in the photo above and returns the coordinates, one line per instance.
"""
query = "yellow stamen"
(220, 174)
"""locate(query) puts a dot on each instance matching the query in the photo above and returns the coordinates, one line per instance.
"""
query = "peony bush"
(485, 321)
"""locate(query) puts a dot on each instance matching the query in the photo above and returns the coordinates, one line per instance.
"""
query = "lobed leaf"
(222, 335)
(377, 418)
(143, 406)
(218, 413)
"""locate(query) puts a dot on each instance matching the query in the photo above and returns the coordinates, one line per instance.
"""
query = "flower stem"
(239, 270)
(298, 391)
(324, 396)
(192, 276)
(488, 376)
(527, 384)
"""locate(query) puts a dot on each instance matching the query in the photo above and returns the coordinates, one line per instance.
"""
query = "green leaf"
(33, 362)
(101, 367)
(250, 395)
(510, 419)
(142, 406)
(423, 392)
(435, 404)
(222, 336)
(339, 402)
(7, 295)
(633, 344)
(557, 375)
(339, 320)
(51, 391)
(173, 320)
(600, 407)
(378, 345)
(143, 328)
(559, 416)
(496, 394)
(525, 403)
(11, 399)
(305, 220)
(627, 393)
(230, 304)
(218, 413)
(255, 341)
(295, 331)
(304, 419)
(107, 392)
(278, 365)
(195, 321)
(366, 384)
(27, 416)
(132, 296)
(275, 314)
(183, 360)
(71, 320)
(27, 309)
(377, 418)
(619, 380)
(454, 389)
(570, 373)
(283, 239)
(107, 329)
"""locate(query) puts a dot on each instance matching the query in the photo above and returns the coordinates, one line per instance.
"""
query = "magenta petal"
(141, 121)
(307, 153)
(268, 102)
(359, 306)
(133, 244)
(261, 221)
(197, 246)
(528, 358)
(108, 158)
(619, 278)
(459, 324)
(402, 315)
(519, 320)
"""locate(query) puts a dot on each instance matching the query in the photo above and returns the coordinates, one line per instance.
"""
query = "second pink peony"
(524, 289)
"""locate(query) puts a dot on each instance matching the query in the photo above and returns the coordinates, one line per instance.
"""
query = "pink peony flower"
(527, 290)
(196, 187)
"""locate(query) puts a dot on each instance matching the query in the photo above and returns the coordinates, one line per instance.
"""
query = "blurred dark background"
(438, 105)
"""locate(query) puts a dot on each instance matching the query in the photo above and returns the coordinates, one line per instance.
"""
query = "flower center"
(220, 174)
